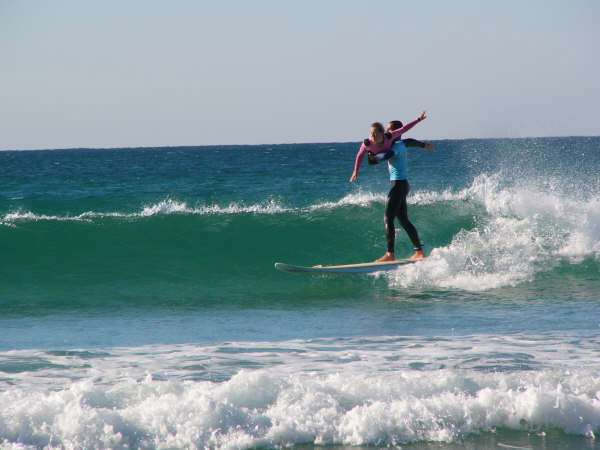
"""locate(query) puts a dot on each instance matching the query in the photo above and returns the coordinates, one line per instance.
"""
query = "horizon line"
(137, 147)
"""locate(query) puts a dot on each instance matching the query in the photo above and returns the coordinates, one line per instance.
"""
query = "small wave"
(165, 207)
(170, 206)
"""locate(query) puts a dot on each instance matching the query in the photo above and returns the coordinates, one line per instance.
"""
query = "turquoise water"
(139, 306)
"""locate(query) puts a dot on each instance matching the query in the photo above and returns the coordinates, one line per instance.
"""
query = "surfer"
(396, 205)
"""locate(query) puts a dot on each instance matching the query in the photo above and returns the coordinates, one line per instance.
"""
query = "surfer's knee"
(405, 222)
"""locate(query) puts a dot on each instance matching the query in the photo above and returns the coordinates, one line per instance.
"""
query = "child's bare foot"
(418, 255)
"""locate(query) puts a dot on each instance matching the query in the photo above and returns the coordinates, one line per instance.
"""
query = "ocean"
(140, 308)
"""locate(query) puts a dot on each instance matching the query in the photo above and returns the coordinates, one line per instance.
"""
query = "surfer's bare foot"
(387, 257)
(418, 255)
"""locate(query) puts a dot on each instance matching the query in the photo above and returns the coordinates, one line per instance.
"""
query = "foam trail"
(170, 206)
(164, 207)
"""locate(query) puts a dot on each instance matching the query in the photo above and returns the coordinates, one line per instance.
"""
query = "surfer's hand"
(353, 177)
(422, 116)
(429, 147)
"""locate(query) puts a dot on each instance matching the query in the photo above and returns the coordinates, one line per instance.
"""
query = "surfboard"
(368, 267)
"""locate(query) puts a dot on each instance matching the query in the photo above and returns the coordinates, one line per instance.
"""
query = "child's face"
(376, 135)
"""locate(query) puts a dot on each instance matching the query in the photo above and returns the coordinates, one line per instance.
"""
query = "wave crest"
(525, 230)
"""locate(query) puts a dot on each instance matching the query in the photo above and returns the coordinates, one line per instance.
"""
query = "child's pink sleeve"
(359, 156)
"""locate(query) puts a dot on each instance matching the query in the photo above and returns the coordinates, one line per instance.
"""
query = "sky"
(168, 73)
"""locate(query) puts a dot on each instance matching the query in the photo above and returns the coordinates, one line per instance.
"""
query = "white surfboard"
(347, 268)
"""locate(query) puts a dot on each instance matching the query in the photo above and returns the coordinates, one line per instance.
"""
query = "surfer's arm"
(400, 131)
(414, 143)
(357, 162)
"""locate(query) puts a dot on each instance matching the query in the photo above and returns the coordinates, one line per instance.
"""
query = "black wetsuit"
(396, 207)
(396, 201)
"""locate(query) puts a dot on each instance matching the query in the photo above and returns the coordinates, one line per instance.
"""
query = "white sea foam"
(526, 229)
(10, 218)
(353, 392)
(360, 198)
(420, 197)
(171, 206)
(164, 207)
(269, 207)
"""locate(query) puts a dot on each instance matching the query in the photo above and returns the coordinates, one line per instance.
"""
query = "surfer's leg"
(388, 222)
(388, 219)
(402, 214)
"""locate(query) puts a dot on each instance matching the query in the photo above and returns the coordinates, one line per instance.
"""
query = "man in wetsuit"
(396, 205)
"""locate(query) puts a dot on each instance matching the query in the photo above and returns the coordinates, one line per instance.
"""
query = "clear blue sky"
(154, 73)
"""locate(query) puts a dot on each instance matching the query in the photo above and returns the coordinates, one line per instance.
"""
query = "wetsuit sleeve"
(413, 143)
(400, 131)
(359, 157)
